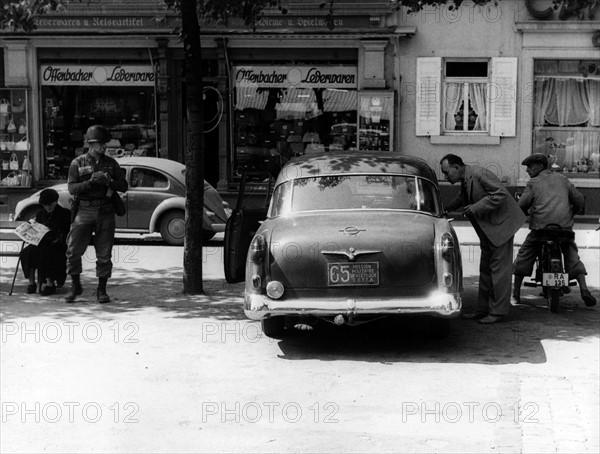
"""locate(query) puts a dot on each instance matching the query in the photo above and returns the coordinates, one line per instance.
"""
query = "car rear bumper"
(439, 304)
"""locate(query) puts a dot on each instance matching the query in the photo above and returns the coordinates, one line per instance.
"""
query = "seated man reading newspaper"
(46, 237)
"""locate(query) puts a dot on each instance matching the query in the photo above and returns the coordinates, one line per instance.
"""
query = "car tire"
(172, 227)
(29, 213)
(273, 327)
(438, 328)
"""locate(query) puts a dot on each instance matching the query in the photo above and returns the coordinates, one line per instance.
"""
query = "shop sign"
(296, 76)
(93, 75)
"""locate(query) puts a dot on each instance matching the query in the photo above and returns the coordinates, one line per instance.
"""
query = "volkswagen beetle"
(155, 201)
(348, 238)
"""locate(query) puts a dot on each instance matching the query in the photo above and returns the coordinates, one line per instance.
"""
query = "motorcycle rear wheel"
(553, 294)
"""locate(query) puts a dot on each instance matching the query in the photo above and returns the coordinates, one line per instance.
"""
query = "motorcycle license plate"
(555, 279)
(341, 274)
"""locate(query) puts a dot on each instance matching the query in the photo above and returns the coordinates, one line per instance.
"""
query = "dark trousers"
(92, 220)
(531, 248)
(495, 274)
(48, 259)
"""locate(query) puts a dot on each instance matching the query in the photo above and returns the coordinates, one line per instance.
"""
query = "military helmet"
(97, 133)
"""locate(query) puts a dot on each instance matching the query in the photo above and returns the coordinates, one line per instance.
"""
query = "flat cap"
(536, 157)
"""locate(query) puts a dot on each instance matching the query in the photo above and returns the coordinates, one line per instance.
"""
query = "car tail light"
(447, 247)
(275, 290)
(257, 250)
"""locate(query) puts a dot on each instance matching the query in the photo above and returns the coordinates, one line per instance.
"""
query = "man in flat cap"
(549, 198)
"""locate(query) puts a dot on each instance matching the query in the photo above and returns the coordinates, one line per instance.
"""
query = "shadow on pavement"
(517, 340)
(136, 290)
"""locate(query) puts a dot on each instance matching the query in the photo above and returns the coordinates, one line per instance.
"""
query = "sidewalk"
(586, 235)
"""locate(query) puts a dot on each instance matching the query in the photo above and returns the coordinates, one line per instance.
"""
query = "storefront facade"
(291, 86)
(380, 80)
(497, 83)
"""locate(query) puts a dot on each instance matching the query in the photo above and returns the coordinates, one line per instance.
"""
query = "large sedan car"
(155, 201)
(348, 238)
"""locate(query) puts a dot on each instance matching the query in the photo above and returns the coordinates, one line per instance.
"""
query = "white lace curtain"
(567, 102)
(453, 99)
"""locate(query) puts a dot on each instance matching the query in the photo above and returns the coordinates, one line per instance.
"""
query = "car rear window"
(351, 192)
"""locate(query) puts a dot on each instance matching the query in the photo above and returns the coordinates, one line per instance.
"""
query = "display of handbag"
(12, 179)
(11, 128)
(4, 106)
(18, 105)
(22, 145)
(311, 137)
(314, 148)
(26, 179)
(120, 209)
(27, 164)
(14, 162)
(23, 127)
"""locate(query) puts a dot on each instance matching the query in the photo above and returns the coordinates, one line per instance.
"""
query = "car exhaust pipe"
(339, 320)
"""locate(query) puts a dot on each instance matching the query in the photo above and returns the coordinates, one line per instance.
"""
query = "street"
(159, 371)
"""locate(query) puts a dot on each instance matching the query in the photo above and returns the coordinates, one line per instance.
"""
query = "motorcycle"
(550, 272)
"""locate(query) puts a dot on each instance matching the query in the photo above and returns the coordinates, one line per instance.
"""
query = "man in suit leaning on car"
(496, 218)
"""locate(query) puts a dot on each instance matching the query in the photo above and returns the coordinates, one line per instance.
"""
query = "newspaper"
(32, 232)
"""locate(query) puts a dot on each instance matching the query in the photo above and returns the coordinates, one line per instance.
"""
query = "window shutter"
(503, 91)
(428, 94)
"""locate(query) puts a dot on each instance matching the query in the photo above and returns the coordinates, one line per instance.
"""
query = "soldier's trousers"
(100, 221)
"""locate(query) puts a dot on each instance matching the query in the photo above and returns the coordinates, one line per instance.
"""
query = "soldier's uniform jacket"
(80, 174)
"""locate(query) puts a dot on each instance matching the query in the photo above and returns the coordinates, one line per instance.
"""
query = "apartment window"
(465, 96)
(471, 97)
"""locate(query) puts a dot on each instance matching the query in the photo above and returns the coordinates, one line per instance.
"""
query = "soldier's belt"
(94, 202)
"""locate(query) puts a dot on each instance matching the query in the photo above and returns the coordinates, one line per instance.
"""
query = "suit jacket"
(495, 212)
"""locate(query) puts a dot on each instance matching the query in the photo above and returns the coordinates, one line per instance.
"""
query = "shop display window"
(127, 112)
(375, 128)
(15, 146)
(272, 124)
(567, 115)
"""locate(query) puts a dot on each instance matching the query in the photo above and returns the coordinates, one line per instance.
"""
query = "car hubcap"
(177, 228)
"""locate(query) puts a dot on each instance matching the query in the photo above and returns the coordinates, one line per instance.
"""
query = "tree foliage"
(20, 15)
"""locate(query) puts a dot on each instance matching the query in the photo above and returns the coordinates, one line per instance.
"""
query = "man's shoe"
(588, 298)
(102, 297)
(48, 290)
(473, 315)
(515, 300)
(31, 288)
(76, 290)
(491, 319)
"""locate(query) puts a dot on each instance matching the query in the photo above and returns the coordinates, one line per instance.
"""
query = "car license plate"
(343, 274)
(555, 279)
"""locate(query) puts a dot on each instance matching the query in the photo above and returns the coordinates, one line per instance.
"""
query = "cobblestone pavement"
(159, 371)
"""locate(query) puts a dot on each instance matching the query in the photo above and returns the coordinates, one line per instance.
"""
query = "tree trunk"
(194, 155)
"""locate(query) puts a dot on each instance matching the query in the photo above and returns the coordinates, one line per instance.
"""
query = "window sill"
(464, 140)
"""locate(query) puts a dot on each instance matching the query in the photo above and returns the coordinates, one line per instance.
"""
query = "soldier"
(93, 178)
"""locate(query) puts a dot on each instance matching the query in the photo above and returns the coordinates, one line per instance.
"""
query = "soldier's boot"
(76, 289)
(101, 295)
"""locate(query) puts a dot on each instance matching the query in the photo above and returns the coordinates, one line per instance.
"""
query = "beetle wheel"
(553, 296)
(172, 227)
(273, 326)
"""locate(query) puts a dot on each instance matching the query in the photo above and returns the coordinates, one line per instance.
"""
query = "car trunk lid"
(383, 249)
